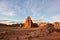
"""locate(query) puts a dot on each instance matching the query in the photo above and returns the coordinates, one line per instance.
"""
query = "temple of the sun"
(28, 23)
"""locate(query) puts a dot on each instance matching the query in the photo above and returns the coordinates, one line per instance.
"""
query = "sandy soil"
(27, 34)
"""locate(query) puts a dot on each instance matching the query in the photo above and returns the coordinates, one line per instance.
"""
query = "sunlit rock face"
(28, 23)
(57, 25)
(47, 28)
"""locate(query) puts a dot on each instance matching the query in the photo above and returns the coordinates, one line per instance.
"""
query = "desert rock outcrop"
(28, 23)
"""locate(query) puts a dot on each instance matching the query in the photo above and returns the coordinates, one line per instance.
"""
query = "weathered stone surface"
(28, 23)
(47, 28)
(56, 25)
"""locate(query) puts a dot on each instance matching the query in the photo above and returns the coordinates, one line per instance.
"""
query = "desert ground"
(28, 34)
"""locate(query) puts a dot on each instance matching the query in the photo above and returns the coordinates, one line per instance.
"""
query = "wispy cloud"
(54, 6)
(34, 8)
(4, 9)
(55, 18)
(8, 13)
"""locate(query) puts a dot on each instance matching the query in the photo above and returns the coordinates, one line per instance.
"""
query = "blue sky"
(18, 10)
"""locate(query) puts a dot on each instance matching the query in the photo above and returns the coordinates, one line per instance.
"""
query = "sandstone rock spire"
(28, 23)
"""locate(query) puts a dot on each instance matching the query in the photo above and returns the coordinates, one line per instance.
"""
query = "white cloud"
(7, 22)
(8, 13)
(4, 9)
(36, 20)
(41, 8)
(32, 5)
(34, 12)
(51, 19)
(37, 11)
(55, 18)
(54, 6)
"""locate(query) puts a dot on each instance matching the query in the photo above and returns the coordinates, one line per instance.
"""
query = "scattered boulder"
(47, 28)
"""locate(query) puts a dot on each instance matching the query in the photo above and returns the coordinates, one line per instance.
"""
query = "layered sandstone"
(56, 25)
(28, 23)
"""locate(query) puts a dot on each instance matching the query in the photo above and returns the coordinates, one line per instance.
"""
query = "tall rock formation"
(28, 23)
